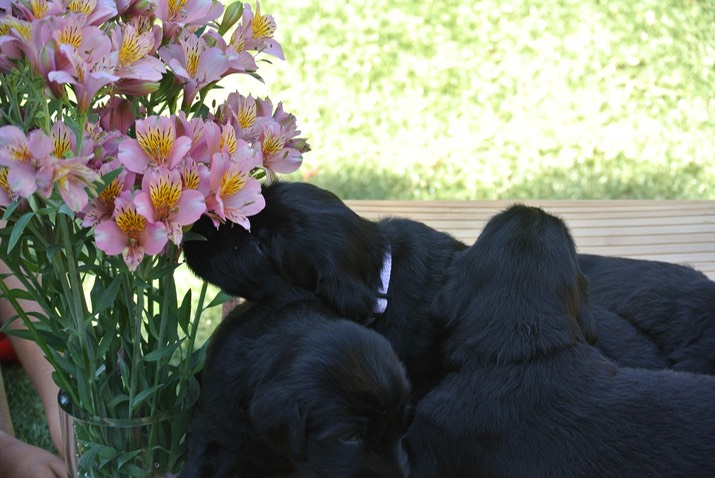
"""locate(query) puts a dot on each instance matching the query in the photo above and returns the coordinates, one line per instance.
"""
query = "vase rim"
(68, 407)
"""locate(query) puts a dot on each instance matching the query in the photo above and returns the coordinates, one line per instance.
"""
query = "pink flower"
(138, 70)
(116, 115)
(163, 199)
(156, 145)
(102, 206)
(129, 233)
(7, 195)
(27, 160)
(87, 73)
(97, 11)
(274, 153)
(258, 32)
(176, 14)
(194, 63)
(39, 9)
(242, 113)
(239, 60)
(71, 174)
(235, 194)
(194, 129)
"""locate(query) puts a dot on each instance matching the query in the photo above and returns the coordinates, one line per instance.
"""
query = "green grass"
(491, 99)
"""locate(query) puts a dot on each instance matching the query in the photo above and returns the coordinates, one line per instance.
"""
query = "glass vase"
(142, 447)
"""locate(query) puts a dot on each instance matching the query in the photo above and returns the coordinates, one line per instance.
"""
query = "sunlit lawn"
(501, 99)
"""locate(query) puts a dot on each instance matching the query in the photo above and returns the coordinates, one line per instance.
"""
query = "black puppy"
(672, 305)
(308, 237)
(381, 274)
(290, 390)
(526, 395)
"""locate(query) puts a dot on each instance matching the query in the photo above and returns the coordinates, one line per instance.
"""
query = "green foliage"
(513, 99)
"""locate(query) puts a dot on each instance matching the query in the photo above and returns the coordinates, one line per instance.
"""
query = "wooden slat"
(681, 232)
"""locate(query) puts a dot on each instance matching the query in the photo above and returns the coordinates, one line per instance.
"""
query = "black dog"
(672, 305)
(527, 396)
(290, 390)
(307, 237)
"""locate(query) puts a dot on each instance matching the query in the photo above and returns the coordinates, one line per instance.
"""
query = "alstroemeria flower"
(215, 138)
(138, 70)
(73, 30)
(116, 115)
(235, 194)
(156, 145)
(39, 9)
(176, 14)
(242, 112)
(163, 199)
(101, 208)
(275, 155)
(87, 74)
(194, 129)
(194, 63)
(72, 175)
(97, 11)
(26, 158)
(239, 60)
(7, 195)
(129, 233)
(257, 32)
(195, 176)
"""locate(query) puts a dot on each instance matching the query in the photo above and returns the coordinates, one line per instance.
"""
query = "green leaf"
(220, 298)
(141, 396)
(163, 352)
(18, 229)
(109, 296)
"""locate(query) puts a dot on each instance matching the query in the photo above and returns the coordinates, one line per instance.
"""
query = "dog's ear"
(347, 295)
(279, 421)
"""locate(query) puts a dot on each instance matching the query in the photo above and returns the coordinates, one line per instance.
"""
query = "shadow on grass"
(594, 178)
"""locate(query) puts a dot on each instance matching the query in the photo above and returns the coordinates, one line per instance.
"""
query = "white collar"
(381, 303)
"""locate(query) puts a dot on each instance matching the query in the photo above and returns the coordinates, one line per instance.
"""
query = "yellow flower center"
(81, 6)
(20, 153)
(232, 183)
(192, 62)
(263, 26)
(71, 35)
(62, 144)
(22, 27)
(228, 140)
(237, 41)
(3, 179)
(246, 113)
(175, 7)
(190, 178)
(132, 224)
(164, 196)
(156, 143)
(272, 144)
(110, 193)
(134, 47)
(39, 8)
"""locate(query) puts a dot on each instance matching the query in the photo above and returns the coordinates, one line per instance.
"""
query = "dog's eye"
(350, 440)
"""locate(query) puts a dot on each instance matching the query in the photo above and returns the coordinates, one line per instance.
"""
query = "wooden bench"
(682, 232)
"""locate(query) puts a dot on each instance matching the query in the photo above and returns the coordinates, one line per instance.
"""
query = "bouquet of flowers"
(108, 154)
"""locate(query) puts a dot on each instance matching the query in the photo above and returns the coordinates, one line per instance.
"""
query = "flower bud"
(231, 15)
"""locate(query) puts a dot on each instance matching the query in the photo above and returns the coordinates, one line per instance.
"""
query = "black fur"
(672, 305)
(308, 238)
(653, 315)
(526, 395)
(290, 390)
